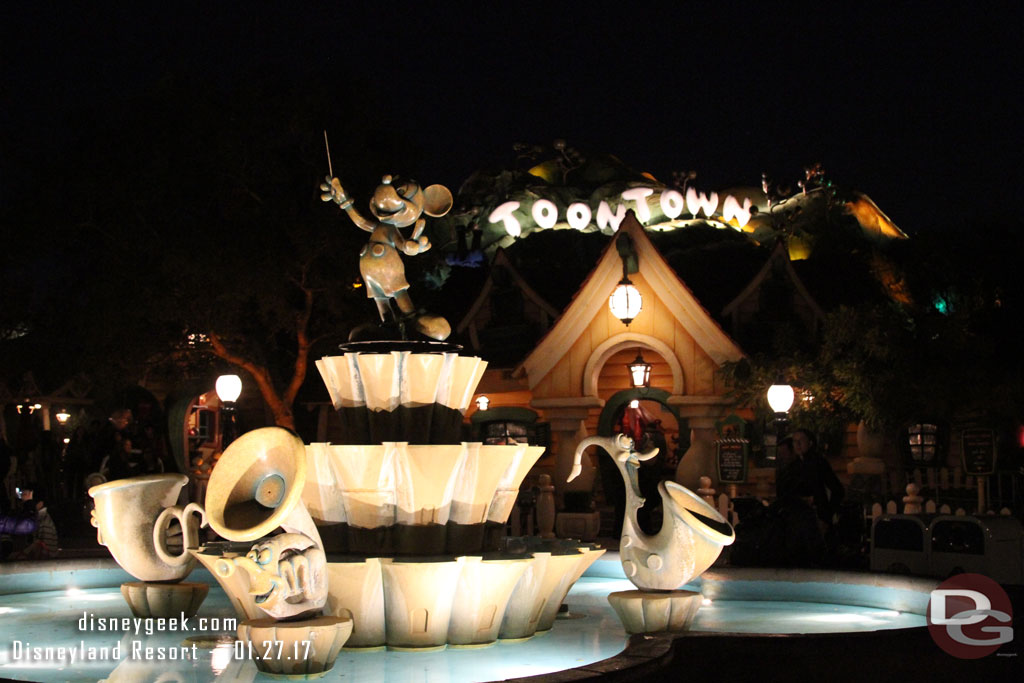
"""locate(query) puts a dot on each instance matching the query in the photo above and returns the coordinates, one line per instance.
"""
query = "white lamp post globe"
(780, 397)
(228, 388)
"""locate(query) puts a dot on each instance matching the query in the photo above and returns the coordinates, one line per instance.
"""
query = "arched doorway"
(651, 421)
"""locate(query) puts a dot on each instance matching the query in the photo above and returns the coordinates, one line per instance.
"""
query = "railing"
(945, 491)
(955, 496)
(949, 486)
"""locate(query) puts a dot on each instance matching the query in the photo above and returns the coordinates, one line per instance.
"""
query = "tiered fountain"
(425, 511)
(392, 537)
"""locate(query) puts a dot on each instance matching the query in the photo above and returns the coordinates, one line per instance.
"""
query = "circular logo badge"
(970, 616)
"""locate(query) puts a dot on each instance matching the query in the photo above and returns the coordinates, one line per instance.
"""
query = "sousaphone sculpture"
(256, 489)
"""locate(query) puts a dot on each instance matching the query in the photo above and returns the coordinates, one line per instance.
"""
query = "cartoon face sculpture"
(398, 204)
(287, 575)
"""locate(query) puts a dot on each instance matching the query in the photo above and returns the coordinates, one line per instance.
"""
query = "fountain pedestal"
(294, 649)
(166, 600)
(656, 611)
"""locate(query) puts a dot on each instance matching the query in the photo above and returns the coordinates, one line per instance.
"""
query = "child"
(45, 542)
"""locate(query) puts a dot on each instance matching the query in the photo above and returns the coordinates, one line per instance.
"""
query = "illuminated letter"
(578, 214)
(695, 202)
(605, 217)
(672, 203)
(731, 208)
(545, 213)
(504, 213)
(639, 195)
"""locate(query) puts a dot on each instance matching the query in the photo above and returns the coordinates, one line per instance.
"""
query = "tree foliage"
(184, 233)
(941, 349)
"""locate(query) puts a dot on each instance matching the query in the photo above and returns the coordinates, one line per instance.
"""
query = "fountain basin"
(42, 603)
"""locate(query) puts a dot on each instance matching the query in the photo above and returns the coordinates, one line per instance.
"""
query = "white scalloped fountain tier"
(418, 516)
(412, 520)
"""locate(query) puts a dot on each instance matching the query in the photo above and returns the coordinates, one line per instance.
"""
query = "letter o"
(545, 213)
(672, 203)
(578, 214)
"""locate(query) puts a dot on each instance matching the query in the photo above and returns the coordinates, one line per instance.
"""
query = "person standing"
(818, 478)
(5, 468)
(808, 498)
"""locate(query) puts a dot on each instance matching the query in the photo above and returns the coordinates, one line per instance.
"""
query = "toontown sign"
(654, 208)
(596, 196)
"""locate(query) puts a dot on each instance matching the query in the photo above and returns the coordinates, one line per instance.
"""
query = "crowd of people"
(39, 471)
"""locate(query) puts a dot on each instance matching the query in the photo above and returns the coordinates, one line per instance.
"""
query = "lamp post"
(780, 399)
(229, 387)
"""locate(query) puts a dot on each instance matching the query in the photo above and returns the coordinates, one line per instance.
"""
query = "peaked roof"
(501, 260)
(593, 295)
(779, 255)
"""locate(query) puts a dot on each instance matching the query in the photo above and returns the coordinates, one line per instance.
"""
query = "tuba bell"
(256, 487)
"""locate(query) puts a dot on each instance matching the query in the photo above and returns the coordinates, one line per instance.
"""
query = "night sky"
(916, 106)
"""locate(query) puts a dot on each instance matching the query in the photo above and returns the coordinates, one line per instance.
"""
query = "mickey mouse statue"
(395, 204)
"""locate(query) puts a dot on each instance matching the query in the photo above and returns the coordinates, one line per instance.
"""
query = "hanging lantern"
(639, 372)
(625, 302)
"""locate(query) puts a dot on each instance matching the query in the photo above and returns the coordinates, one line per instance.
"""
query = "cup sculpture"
(133, 519)
(691, 538)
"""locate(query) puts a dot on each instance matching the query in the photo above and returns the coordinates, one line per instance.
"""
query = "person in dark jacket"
(815, 477)
(808, 498)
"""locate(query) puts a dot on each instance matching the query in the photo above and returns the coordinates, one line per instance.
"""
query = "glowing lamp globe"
(625, 302)
(780, 397)
(639, 372)
(63, 416)
(228, 388)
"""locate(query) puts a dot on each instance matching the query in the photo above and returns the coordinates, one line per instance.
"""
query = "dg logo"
(970, 616)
